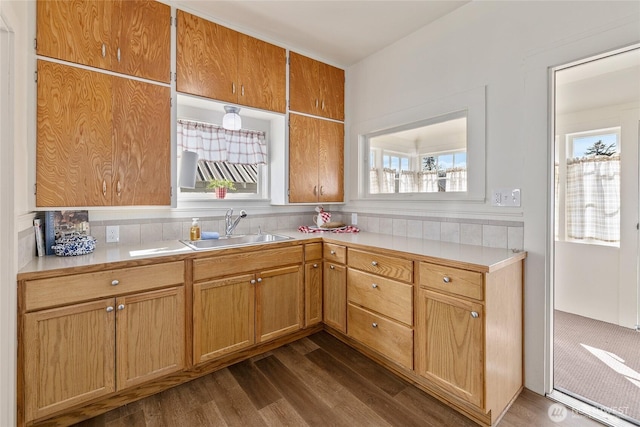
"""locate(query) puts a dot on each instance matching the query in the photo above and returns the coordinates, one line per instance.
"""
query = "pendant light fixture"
(231, 119)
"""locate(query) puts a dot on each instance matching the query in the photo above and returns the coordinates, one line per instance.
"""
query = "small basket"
(74, 244)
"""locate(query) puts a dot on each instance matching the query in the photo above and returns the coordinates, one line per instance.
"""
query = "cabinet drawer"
(62, 290)
(244, 262)
(386, 296)
(383, 265)
(452, 280)
(335, 253)
(313, 251)
(389, 338)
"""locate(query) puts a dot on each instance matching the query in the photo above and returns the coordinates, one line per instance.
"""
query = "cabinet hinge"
(175, 21)
(171, 192)
(35, 76)
(35, 188)
(35, 44)
(171, 102)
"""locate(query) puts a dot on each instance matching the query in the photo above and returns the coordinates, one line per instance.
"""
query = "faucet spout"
(230, 223)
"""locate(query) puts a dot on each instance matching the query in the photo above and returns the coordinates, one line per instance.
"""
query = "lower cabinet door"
(279, 302)
(223, 316)
(335, 296)
(149, 335)
(449, 344)
(68, 356)
(313, 293)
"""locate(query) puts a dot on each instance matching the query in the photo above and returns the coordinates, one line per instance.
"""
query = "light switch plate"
(354, 218)
(113, 234)
(505, 197)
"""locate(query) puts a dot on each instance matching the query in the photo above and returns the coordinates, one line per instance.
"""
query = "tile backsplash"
(490, 233)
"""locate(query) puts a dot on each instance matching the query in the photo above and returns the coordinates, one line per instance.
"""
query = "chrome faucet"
(230, 224)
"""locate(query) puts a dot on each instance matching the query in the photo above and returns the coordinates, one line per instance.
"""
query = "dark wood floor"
(316, 381)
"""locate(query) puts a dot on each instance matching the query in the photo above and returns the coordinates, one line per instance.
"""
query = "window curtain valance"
(216, 144)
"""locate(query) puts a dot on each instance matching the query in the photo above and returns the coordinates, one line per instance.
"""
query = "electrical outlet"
(113, 234)
(354, 218)
(505, 197)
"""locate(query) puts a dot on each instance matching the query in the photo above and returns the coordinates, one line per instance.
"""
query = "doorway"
(596, 345)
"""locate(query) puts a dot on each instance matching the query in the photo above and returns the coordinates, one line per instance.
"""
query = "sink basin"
(234, 241)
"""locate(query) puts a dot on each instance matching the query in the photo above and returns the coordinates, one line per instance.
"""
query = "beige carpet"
(598, 362)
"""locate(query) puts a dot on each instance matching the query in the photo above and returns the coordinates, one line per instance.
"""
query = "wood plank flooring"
(316, 381)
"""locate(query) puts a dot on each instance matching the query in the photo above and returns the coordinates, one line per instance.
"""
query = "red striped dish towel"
(347, 229)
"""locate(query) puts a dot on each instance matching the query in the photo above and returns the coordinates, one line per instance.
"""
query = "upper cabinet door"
(75, 31)
(303, 159)
(331, 91)
(262, 74)
(315, 87)
(207, 63)
(73, 149)
(331, 161)
(142, 39)
(141, 143)
(304, 90)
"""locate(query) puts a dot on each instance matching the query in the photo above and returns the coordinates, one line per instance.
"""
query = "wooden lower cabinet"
(80, 352)
(313, 293)
(218, 326)
(450, 351)
(335, 296)
(279, 302)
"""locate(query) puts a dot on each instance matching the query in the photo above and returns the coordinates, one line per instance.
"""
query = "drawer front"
(389, 338)
(63, 290)
(244, 262)
(383, 265)
(313, 251)
(452, 280)
(389, 297)
(335, 253)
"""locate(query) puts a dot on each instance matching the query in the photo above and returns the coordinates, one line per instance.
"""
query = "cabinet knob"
(233, 87)
(109, 309)
(118, 188)
(474, 314)
(374, 285)
(253, 281)
(118, 54)
(315, 265)
(333, 252)
(104, 50)
(259, 279)
(120, 306)
(322, 190)
(374, 325)
(322, 108)
(374, 263)
(446, 279)
(241, 90)
(315, 190)
(332, 267)
(115, 282)
(104, 187)
(316, 103)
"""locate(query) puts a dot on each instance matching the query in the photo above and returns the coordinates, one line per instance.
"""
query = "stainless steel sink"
(234, 241)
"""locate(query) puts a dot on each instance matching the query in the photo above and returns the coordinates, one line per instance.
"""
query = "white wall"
(507, 46)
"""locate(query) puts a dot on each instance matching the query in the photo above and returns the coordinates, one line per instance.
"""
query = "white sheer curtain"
(593, 199)
(374, 183)
(428, 182)
(457, 179)
(388, 180)
(408, 182)
(213, 143)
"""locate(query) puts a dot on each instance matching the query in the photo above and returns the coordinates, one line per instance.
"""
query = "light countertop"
(481, 258)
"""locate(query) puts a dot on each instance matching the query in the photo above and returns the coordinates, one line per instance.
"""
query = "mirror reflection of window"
(427, 157)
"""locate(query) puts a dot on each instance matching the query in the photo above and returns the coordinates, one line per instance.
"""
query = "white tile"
(414, 228)
(431, 230)
(399, 227)
(515, 238)
(386, 226)
(172, 231)
(373, 224)
(150, 232)
(100, 234)
(494, 236)
(129, 234)
(450, 232)
(283, 222)
(471, 234)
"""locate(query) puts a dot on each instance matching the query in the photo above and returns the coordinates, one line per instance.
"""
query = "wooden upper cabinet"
(130, 37)
(73, 152)
(142, 37)
(102, 140)
(315, 87)
(206, 58)
(316, 160)
(219, 63)
(262, 74)
(141, 143)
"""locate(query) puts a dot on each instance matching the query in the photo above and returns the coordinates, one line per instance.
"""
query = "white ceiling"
(338, 32)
